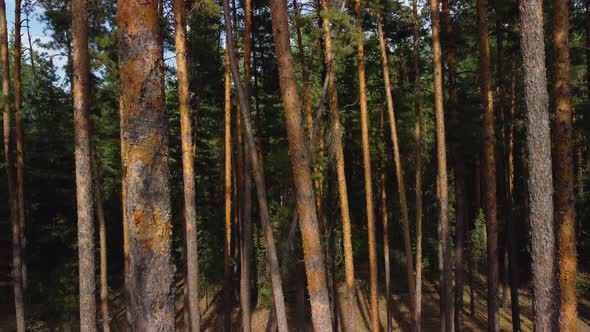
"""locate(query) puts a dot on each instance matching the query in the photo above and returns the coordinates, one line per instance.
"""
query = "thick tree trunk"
(10, 174)
(102, 237)
(540, 178)
(336, 146)
(258, 174)
(145, 152)
(246, 225)
(360, 57)
(489, 164)
(564, 174)
(418, 156)
(445, 232)
(399, 171)
(81, 93)
(513, 244)
(20, 162)
(188, 173)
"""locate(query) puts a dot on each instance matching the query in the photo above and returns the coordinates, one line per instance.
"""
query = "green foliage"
(477, 240)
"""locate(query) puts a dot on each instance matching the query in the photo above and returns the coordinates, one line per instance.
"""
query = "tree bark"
(540, 178)
(258, 174)
(81, 93)
(336, 146)
(10, 174)
(188, 173)
(360, 57)
(20, 162)
(385, 220)
(564, 174)
(145, 152)
(399, 171)
(418, 153)
(489, 164)
(102, 236)
(227, 191)
(445, 236)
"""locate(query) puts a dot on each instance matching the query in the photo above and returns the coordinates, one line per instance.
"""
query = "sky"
(39, 35)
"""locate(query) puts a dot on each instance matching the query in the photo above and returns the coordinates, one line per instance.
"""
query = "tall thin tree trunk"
(246, 234)
(145, 152)
(458, 162)
(384, 218)
(258, 174)
(20, 162)
(102, 237)
(540, 178)
(513, 244)
(564, 174)
(445, 236)
(188, 173)
(227, 191)
(10, 174)
(489, 164)
(336, 146)
(304, 71)
(399, 171)
(300, 162)
(418, 156)
(81, 92)
(360, 57)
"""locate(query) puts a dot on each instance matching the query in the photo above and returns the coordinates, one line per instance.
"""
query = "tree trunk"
(18, 102)
(188, 174)
(418, 153)
(458, 162)
(513, 244)
(227, 191)
(304, 71)
(145, 151)
(445, 236)
(81, 93)
(246, 234)
(360, 56)
(384, 218)
(300, 161)
(489, 164)
(336, 146)
(11, 179)
(399, 171)
(258, 179)
(540, 179)
(564, 174)
(102, 236)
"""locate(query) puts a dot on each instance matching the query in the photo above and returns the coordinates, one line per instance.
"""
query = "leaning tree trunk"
(360, 58)
(20, 163)
(418, 156)
(300, 162)
(336, 144)
(540, 178)
(81, 93)
(188, 173)
(399, 171)
(10, 174)
(258, 174)
(565, 196)
(445, 233)
(489, 164)
(145, 152)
